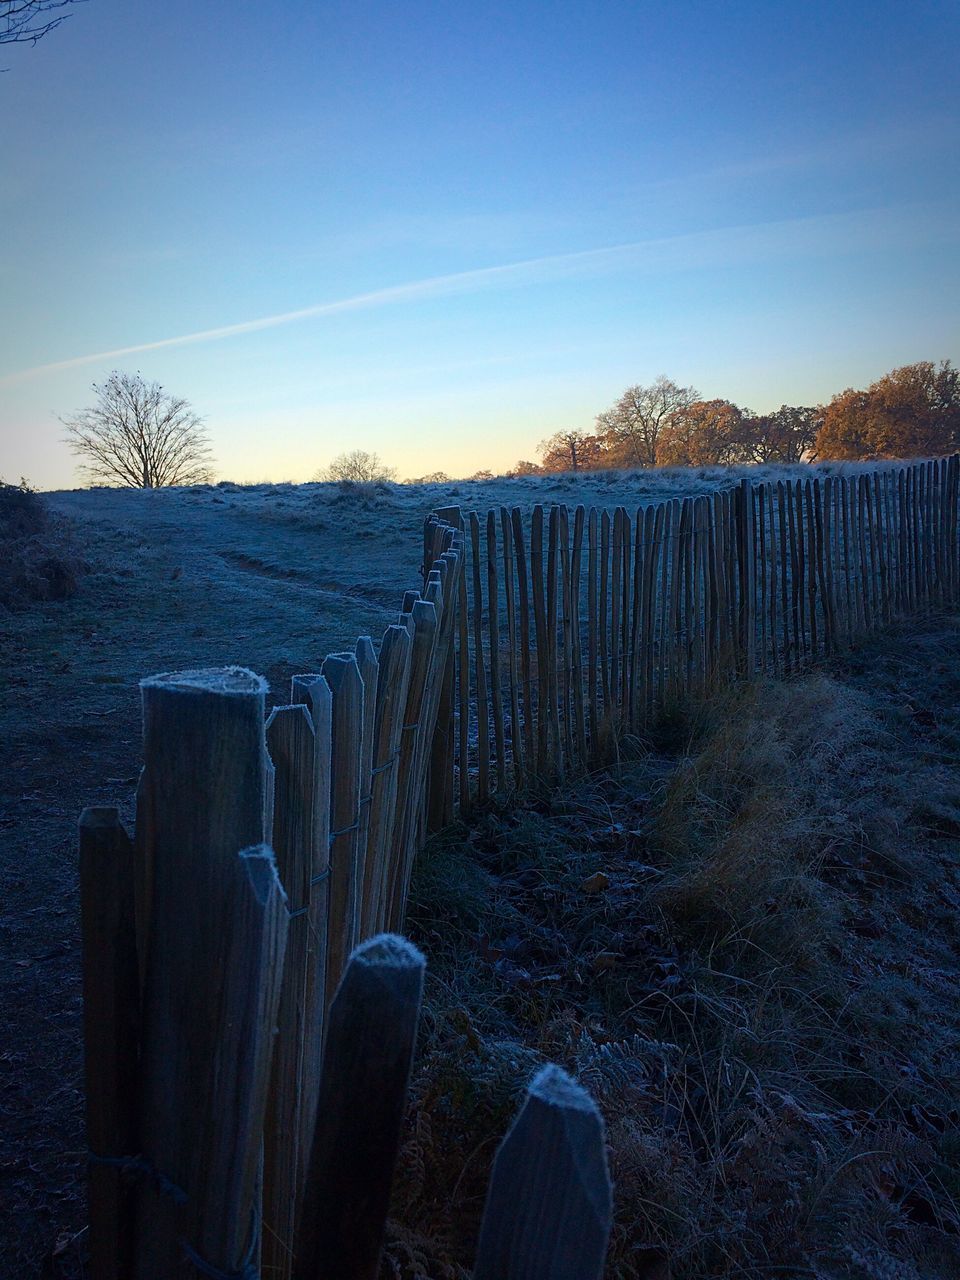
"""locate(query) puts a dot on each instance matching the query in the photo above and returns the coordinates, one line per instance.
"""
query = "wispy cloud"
(834, 233)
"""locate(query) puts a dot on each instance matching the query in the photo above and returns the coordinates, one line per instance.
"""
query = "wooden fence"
(250, 1019)
(249, 1010)
(576, 627)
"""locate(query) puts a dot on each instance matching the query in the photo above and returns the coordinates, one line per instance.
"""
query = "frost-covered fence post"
(549, 1204)
(363, 1090)
(292, 744)
(440, 786)
(342, 674)
(425, 636)
(111, 1016)
(213, 966)
(392, 682)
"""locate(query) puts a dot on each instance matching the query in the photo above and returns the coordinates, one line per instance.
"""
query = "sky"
(443, 231)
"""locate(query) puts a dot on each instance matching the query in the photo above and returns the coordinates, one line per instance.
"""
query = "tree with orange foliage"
(571, 450)
(911, 412)
(705, 433)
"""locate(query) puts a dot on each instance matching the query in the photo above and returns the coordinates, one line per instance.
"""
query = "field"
(772, 951)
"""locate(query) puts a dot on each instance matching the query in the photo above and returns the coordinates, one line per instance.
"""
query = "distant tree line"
(911, 412)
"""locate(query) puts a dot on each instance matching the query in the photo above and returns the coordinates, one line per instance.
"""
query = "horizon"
(442, 236)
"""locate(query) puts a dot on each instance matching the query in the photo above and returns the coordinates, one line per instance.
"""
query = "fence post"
(549, 1203)
(394, 678)
(440, 784)
(363, 1090)
(292, 744)
(342, 674)
(111, 1016)
(200, 802)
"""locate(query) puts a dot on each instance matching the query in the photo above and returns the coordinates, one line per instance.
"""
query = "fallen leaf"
(596, 883)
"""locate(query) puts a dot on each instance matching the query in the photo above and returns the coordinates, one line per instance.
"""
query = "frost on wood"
(230, 681)
(389, 950)
(556, 1088)
(261, 868)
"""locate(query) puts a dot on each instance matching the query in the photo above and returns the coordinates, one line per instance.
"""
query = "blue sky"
(464, 227)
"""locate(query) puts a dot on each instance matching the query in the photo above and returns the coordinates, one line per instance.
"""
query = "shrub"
(38, 556)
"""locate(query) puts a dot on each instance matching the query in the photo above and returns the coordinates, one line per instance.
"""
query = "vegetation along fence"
(249, 1006)
(588, 625)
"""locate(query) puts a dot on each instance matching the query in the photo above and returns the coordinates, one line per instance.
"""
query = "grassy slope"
(763, 997)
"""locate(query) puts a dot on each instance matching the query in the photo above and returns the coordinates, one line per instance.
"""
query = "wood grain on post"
(687, 598)
(464, 701)
(676, 584)
(635, 648)
(830, 597)
(366, 1072)
(592, 636)
(513, 665)
(850, 609)
(773, 559)
(576, 590)
(291, 743)
(442, 797)
(540, 628)
(426, 635)
(493, 631)
(861, 525)
(625, 616)
(549, 1204)
(200, 802)
(784, 549)
(443, 595)
(818, 575)
(748, 582)
(253, 933)
(312, 691)
(650, 624)
(554, 747)
(566, 623)
(816, 638)
(368, 667)
(616, 604)
(603, 614)
(111, 1037)
(394, 677)
(342, 674)
(480, 669)
(523, 606)
(663, 625)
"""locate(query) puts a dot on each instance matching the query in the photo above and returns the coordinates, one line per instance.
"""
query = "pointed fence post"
(292, 744)
(363, 1091)
(342, 674)
(111, 1017)
(549, 1205)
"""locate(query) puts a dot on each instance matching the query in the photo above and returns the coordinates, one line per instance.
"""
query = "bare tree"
(632, 427)
(27, 21)
(138, 435)
(357, 465)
